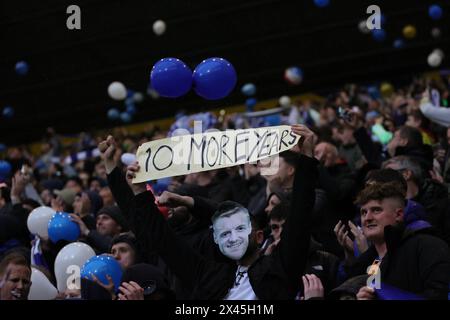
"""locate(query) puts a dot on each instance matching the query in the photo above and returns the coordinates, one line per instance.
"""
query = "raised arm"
(295, 238)
(122, 192)
(154, 234)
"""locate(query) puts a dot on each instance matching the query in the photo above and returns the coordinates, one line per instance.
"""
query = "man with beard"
(245, 274)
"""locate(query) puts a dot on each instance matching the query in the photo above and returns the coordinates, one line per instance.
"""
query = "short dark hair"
(412, 134)
(280, 211)
(290, 157)
(226, 209)
(386, 175)
(381, 191)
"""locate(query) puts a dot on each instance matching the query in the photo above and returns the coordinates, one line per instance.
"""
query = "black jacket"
(415, 261)
(434, 198)
(272, 277)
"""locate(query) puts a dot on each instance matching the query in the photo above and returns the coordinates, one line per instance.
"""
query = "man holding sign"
(245, 274)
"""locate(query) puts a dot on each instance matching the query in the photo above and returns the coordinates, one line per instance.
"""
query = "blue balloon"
(61, 227)
(130, 93)
(214, 78)
(321, 3)
(435, 12)
(22, 68)
(250, 103)
(399, 43)
(101, 266)
(171, 78)
(5, 169)
(248, 89)
(125, 117)
(379, 34)
(131, 109)
(8, 112)
(113, 114)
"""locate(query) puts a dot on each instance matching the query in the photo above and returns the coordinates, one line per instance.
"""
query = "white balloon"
(434, 59)
(117, 90)
(38, 219)
(153, 93)
(41, 288)
(128, 158)
(69, 261)
(362, 26)
(436, 32)
(284, 101)
(159, 27)
(439, 52)
(138, 97)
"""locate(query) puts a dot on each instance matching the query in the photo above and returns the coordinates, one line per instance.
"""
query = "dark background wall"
(70, 70)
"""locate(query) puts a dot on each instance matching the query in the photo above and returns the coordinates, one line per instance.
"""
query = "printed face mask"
(231, 233)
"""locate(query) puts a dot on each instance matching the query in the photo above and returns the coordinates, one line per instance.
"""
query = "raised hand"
(108, 287)
(174, 200)
(83, 228)
(343, 238)
(108, 148)
(307, 142)
(132, 169)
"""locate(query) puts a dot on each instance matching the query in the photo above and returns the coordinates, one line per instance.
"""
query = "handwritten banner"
(181, 155)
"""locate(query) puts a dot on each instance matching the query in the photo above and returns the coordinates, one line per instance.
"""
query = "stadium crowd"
(360, 209)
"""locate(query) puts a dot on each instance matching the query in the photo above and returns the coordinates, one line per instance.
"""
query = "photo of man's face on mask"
(231, 233)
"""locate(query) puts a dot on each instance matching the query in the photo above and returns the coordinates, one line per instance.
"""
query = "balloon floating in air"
(434, 59)
(435, 12)
(113, 114)
(284, 101)
(362, 26)
(321, 3)
(248, 89)
(214, 78)
(117, 91)
(8, 112)
(159, 27)
(398, 43)
(22, 68)
(125, 117)
(435, 33)
(138, 97)
(250, 103)
(409, 31)
(171, 78)
(293, 75)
